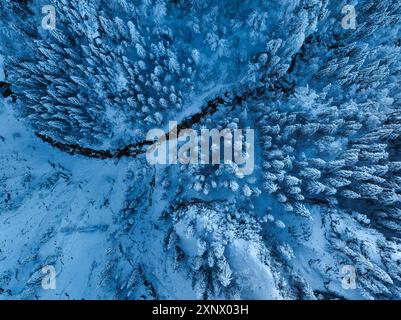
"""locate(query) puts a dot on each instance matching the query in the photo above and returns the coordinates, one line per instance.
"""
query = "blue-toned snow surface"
(318, 218)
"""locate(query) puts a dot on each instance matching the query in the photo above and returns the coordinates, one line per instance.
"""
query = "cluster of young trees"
(202, 238)
(205, 179)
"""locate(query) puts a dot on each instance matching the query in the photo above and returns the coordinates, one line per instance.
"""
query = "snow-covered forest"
(83, 81)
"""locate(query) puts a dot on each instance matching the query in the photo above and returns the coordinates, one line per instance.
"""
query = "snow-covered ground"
(318, 218)
(1, 68)
(55, 210)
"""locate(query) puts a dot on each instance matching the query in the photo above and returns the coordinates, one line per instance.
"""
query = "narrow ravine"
(228, 99)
